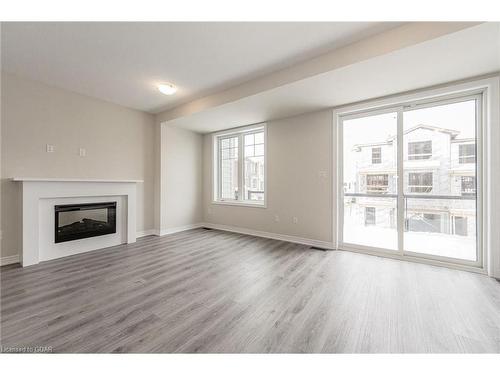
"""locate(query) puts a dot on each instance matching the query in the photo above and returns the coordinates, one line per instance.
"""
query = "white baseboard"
(164, 232)
(144, 233)
(9, 260)
(274, 236)
(283, 237)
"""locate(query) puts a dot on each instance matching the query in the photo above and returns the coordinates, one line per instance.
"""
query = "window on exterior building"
(467, 153)
(468, 185)
(420, 182)
(419, 150)
(376, 155)
(424, 222)
(239, 163)
(377, 183)
(459, 225)
(370, 218)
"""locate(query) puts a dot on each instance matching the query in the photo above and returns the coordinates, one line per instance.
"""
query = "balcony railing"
(257, 195)
(411, 196)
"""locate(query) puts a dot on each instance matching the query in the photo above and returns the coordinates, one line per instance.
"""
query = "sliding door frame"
(340, 177)
(421, 99)
(478, 98)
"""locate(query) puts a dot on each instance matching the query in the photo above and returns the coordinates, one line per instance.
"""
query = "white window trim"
(489, 218)
(215, 166)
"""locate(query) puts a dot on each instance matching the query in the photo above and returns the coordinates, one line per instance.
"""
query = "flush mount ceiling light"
(167, 89)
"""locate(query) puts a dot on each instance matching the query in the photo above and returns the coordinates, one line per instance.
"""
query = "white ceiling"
(122, 62)
(467, 53)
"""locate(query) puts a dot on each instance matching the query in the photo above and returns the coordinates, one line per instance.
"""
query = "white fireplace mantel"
(32, 179)
(39, 195)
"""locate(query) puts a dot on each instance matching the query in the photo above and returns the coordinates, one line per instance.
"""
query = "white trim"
(240, 129)
(215, 183)
(10, 260)
(394, 254)
(37, 196)
(41, 179)
(164, 232)
(240, 203)
(144, 233)
(274, 236)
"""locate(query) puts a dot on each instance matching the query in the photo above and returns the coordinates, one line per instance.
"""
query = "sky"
(457, 116)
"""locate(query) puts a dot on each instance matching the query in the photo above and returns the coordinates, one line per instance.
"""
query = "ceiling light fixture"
(167, 89)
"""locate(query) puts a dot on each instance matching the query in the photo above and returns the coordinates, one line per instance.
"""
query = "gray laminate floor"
(213, 291)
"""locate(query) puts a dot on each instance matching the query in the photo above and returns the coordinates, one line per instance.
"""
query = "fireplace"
(77, 221)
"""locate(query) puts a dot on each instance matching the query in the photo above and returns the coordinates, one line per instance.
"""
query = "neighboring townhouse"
(439, 182)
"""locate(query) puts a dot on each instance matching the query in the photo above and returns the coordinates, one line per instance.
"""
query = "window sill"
(241, 204)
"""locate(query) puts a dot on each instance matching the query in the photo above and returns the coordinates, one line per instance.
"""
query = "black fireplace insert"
(77, 221)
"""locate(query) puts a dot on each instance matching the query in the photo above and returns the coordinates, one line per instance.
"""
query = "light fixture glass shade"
(167, 89)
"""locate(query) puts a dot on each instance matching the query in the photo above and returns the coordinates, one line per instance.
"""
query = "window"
(377, 183)
(419, 201)
(467, 153)
(376, 155)
(229, 161)
(468, 185)
(459, 226)
(370, 218)
(239, 161)
(419, 150)
(422, 222)
(420, 182)
(254, 166)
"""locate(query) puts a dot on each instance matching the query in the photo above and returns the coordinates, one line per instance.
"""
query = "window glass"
(228, 168)
(467, 153)
(241, 173)
(420, 182)
(254, 167)
(376, 155)
(419, 150)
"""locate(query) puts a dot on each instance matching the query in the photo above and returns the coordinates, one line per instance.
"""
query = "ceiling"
(467, 53)
(122, 62)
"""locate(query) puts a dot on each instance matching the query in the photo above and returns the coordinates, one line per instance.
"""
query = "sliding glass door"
(409, 180)
(439, 175)
(370, 180)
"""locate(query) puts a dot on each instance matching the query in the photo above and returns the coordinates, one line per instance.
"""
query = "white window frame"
(489, 117)
(240, 133)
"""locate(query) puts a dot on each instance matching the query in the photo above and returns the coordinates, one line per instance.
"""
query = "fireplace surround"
(40, 196)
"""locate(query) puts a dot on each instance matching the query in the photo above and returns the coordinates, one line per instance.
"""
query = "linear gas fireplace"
(77, 221)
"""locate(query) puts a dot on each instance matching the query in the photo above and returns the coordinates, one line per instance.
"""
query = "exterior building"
(439, 182)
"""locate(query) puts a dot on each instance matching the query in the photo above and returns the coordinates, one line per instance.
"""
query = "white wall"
(181, 178)
(298, 149)
(119, 144)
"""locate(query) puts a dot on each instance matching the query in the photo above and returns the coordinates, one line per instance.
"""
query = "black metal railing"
(417, 196)
(254, 194)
